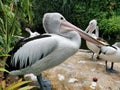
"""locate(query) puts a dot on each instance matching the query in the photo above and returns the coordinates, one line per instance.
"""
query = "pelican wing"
(28, 51)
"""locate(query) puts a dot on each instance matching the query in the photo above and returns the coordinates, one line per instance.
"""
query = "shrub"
(111, 26)
(9, 27)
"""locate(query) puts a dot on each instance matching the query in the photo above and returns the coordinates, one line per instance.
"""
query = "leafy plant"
(111, 26)
(3, 70)
(16, 86)
(8, 28)
(15, 15)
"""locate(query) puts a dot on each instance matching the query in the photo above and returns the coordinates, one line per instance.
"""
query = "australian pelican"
(41, 52)
(90, 30)
(32, 34)
(110, 53)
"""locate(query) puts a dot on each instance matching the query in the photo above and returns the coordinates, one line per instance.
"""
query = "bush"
(9, 27)
(111, 26)
(15, 16)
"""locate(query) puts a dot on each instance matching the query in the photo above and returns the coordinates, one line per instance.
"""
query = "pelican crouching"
(32, 34)
(42, 52)
(110, 53)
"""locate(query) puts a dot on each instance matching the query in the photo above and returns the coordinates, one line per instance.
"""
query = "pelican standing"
(90, 29)
(41, 52)
(110, 53)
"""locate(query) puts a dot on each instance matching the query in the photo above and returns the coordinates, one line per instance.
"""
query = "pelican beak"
(88, 28)
(82, 33)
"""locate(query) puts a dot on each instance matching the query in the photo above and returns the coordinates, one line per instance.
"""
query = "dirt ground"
(81, 70)
(77, 73)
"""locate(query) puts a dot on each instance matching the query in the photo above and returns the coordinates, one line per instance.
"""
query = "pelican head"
(92, 26)
(93, 22)
(57, 24)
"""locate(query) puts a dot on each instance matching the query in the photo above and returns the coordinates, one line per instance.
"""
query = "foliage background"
(15, 15)
(80, 12)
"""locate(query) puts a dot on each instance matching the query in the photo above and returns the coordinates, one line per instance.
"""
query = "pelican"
(45, 51)
(90, 29)
(110, 53)
(32, 34)
(93, 47)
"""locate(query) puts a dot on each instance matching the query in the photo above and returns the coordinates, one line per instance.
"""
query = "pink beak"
(82, 33)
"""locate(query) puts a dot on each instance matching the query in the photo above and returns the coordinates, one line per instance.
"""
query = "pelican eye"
(61, 18)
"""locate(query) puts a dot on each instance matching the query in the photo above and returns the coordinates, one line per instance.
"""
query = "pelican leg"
(111, 70)
(98, 57)
(106, 65)
(92, 57)
(44, 84)
(112, 65)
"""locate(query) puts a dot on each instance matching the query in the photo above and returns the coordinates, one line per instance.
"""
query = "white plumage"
(31, 77)
(110, 53)
(32, 34)
(90, 30)
(35, 49)
(108, 50)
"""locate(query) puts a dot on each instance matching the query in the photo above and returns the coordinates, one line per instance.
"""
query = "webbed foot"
(46, 85)
(111, 70)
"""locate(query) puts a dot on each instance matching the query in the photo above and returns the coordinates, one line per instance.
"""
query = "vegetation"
(16, 86)
(7, 27)
(111, 27)
(17, 14)
(79, 12)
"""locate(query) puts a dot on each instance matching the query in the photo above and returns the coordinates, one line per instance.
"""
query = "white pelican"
(90, 30)
(36, 54)
(32, 34)
(110, 53)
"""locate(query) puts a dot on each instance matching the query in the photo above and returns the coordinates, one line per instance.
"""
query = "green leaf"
(3, 70)
(27, 88)
(4, 55)
(14, 86)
